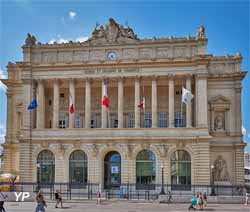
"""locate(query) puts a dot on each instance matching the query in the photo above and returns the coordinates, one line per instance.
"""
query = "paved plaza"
(120, 206)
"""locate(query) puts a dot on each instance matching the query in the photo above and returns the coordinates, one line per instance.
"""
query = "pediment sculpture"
(30, 40)
(113, 32)
(200, 32)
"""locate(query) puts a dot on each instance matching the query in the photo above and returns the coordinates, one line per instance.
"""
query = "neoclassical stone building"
(198, 143)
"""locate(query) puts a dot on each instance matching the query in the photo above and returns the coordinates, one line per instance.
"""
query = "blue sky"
(226, 22)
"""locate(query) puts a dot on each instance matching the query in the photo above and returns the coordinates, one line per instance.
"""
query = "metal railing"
(126, 191)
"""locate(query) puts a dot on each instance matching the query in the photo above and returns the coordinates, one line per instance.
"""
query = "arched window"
(78, 167)
(145, 168)
(45, 167)
(180, 168)
(112, 170)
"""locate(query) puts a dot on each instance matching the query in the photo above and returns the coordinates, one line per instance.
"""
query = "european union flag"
(32, 105)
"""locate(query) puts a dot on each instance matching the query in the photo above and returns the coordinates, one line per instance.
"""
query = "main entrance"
(112, 170)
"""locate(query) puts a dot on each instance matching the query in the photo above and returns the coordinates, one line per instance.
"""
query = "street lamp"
(162, 179)
(212, 190)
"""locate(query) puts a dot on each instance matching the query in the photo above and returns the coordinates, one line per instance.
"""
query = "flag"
(187, 96)
(105, 100)
(142, 104)
(32, 105)
(71, 104)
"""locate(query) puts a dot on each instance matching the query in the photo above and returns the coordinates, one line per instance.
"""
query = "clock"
(112, 55)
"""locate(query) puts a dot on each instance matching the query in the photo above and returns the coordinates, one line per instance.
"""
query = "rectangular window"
(162, 119)
(180, 119)
(77, 120)
(131, 120)
(146, 120)
(63, 120)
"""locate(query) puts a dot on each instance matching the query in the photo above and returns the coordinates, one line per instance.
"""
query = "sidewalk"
(120, 206)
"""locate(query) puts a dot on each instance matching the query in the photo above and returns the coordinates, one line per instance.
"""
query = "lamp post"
(212, 190)
(162, 180)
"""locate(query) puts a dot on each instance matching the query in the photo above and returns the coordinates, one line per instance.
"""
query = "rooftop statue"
(201, 32)
(30, 40)
(112, 32)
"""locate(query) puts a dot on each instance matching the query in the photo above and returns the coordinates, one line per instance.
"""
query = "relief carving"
(65, 57)
(96, 55)
(146, 53)
(45, 144)
(220, 169)
(162, 53)
(180, 52)
(94, 150)
(49, 57)
(163, 149)
(129, 54)
(80, 56)
(36, 57)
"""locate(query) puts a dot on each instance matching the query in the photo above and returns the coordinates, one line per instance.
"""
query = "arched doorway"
(78, 167)
(145, 169)
(181, 170)
(45, 167)
(112, 170)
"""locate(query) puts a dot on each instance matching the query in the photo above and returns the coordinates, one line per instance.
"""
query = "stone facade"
(156, 69)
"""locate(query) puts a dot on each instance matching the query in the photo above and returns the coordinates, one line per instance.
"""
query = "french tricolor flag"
(105, 100)
(71, 104)
(142, 103)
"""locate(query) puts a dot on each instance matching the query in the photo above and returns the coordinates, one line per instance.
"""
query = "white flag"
(187, 96)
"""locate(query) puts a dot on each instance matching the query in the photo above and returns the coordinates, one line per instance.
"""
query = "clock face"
(111, 56)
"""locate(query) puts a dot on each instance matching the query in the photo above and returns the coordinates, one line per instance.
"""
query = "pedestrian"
(193, 204)
(247, 198)
(98, 198)
(58, 198)
(2, 199)
(205, 199)
(200, 201)
(41, 203)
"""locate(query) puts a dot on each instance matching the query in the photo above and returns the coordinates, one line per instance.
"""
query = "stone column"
(120, 103)
(104, 109)
(87, 103)
(201, 100)
(137, 102)
(55, 103)
(154, 102)
(238, 127)
(40, 117)
(72, 100)
(171, 101)
(188, 106)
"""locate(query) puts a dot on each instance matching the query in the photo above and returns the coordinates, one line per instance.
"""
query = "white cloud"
(2, 128)
(59, 39)
(81, 39)
(2, 75)
(72, 15)
(2, 86)
(243, 130)
(2, 139)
